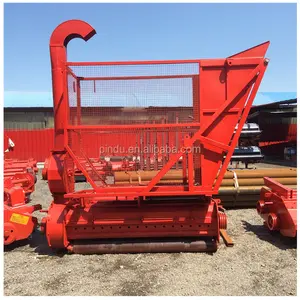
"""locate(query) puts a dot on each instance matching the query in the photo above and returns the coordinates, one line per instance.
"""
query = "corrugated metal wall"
(33, 136)
(35, 144)
(38, 143)
(278, 132)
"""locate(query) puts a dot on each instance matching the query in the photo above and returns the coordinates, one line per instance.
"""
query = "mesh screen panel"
(119, 95)
(131, 94)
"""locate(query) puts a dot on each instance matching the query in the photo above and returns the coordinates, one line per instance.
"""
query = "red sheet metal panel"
(278, 207)
(278, 132)
(31, 143)
(38, 143)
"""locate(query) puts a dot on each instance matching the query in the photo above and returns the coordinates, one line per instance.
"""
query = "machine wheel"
(55, 226)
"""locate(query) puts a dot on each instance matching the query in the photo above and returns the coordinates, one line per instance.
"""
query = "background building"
(31, 128)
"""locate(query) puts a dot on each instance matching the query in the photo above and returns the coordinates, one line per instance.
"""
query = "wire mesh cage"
(133, 115)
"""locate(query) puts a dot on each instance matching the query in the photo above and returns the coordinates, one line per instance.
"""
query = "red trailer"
(153, 217)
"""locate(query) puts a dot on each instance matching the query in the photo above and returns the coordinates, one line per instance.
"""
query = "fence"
(30, 143)
(38, 143)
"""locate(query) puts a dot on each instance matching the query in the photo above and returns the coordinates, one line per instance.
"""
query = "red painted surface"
(16, 166)
(276, 137)
(226, 89)
(35, 144)
(18, 221)
(278, 132)
(278, 207)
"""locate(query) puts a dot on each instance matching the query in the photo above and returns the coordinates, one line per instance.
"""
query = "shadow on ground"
(38, 242)
(273, 237)
(16, 245)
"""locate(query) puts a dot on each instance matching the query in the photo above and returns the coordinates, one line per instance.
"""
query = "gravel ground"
(260, 263)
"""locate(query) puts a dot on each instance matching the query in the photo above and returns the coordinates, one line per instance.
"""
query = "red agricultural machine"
(14, 166)
(19, 181)
(133, 216)
(278, 207)
(18, 220)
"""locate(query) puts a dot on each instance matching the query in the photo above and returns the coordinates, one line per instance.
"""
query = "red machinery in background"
(19, 181)
(18, 220)
(138, 217)
(278, 207)
(14, 166)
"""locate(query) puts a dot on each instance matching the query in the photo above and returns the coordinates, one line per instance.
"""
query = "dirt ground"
(260, 263)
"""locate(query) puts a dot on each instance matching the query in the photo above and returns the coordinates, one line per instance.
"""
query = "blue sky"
(146, 32)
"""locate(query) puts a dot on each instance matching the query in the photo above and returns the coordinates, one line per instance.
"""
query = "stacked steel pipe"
(239, 188)
(246, 152)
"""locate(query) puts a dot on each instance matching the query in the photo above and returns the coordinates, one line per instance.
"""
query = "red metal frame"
(199, 136)
(278, 207)
(212, 146)
(19, 180)
(223, 93)
(18, 220)
(14, 166)
(24, 180)
(30, 143)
